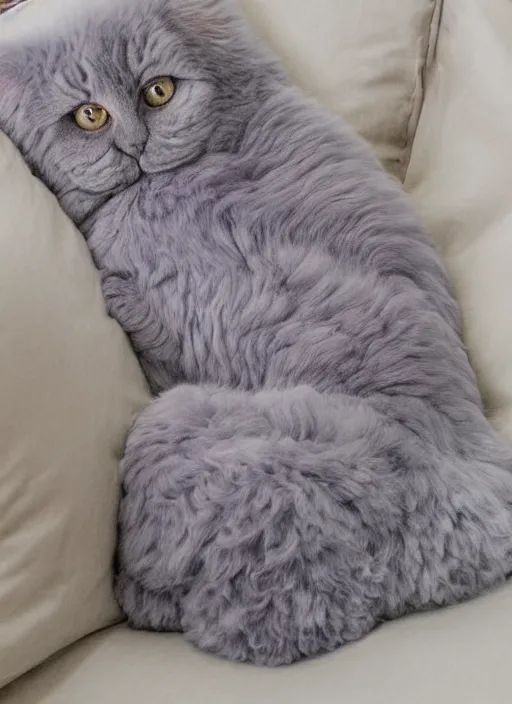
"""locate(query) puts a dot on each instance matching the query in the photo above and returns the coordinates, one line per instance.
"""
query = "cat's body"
(254, 275)
(319, 460)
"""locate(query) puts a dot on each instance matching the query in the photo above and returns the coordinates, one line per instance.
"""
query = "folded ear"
(9, 83)
(220, 26)
(209, 20)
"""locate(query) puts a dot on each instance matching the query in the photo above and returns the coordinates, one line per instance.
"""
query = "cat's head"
(143, 87)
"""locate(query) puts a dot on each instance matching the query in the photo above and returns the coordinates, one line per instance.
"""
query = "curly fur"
(318, 460)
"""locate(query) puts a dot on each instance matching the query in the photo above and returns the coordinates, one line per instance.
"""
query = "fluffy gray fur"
(318, 461)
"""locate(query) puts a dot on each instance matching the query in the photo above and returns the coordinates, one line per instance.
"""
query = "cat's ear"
(9, 87)
(7, 84)
(221, 26)
(210, 20)
(8, 74)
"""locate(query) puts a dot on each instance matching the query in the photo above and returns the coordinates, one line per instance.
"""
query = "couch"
(429, 84)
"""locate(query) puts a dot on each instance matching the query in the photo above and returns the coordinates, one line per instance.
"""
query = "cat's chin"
(152, 166)
(151, 169)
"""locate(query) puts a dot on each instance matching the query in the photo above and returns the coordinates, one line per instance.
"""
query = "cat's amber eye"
(91, 117)
(159, 92)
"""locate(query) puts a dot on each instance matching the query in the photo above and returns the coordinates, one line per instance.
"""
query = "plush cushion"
(363, 59)
(459, 655)
(69, 389)
(460, 177)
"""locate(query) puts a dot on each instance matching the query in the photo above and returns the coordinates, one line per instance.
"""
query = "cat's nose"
(132, 142)
(133, 149)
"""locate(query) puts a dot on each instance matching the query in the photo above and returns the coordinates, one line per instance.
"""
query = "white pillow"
(461, 179)
(363, 59)
(69, 389)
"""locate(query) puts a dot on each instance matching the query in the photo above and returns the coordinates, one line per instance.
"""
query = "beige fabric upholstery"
(456, 656)
(364, 59)
(69, 387)
(461, 179)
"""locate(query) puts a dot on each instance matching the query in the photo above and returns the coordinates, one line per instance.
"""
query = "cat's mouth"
(114, 179)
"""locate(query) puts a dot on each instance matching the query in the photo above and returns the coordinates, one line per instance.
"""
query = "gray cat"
(318, 460)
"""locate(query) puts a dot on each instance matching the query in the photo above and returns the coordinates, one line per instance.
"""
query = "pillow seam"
(424, 65)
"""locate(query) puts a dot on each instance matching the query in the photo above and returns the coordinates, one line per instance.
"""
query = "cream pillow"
(363, 59)
(461, 179)
(69, 389)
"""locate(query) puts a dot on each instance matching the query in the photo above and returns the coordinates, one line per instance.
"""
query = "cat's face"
(145, 88)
